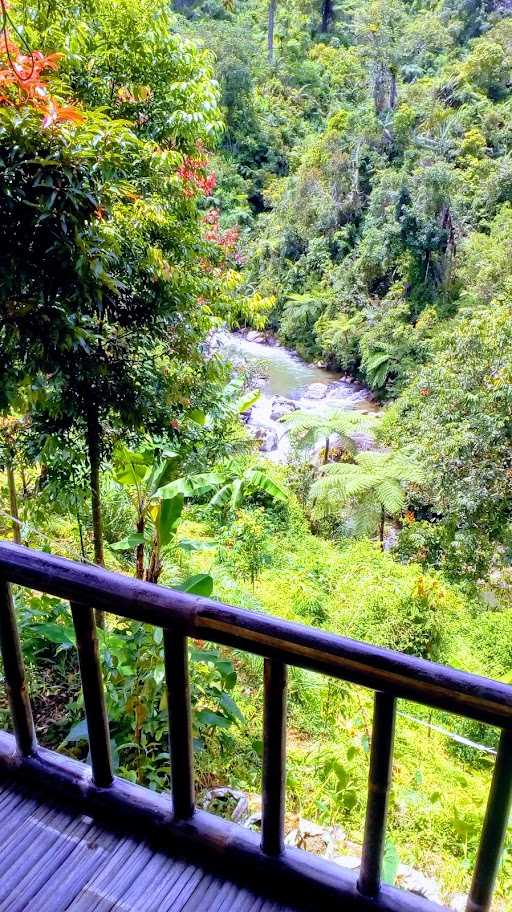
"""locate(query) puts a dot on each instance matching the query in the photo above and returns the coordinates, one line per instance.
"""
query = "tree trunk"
(393, 94)
(13, 500)
(326, 451)
(327, 15)
(381, 528)
(270, 34)
(139, 565)
(94, 451)
(155, 564)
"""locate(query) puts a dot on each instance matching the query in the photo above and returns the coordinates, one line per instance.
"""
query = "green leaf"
(130, 541)
(200, 584)
(130, 467)
(245, 402)
(229, 705)
(222, 496)
(197, 416)
(190, 544)
(55, 633)
(259, 479)
(209, 718)
(236, 492)
(190, 486)
(203, 655)
(162, 472)
(168, 517)
(78, 732)
(390, 863)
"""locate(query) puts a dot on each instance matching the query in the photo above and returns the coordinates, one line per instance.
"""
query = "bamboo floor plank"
(53, 859)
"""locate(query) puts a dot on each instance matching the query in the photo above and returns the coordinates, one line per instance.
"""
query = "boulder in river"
(267, 438)
(254, 336)
(282, 406)
(316, 391)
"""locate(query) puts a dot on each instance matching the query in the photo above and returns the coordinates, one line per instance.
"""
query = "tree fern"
(308, 428)
(374, 486)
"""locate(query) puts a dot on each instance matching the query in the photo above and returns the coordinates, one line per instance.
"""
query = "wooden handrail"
(405, 676)
(389, 674)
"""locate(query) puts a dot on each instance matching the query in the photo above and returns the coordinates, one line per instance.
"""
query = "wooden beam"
(293, 644)
(379, 782)
(14, 673)
(180, 723)
(274, 757)
(494, 829)
(94, 697)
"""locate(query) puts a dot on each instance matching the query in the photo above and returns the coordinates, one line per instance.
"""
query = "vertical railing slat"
(180, 723)
(494, 829)
(379, 782)
(14, 673)
(94, 696)
(274, 756)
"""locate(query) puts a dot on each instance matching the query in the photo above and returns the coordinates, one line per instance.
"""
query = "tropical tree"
(102, 267)
(236, 486)
(455, 416)
(374, 485)
(308, 428)
(127, 58)
(145, 475)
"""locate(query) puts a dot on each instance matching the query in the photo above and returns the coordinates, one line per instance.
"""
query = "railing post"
(379, 782)
(274, 757)
(14, 672)
(180, 723)
(94, 696)
(494, 829)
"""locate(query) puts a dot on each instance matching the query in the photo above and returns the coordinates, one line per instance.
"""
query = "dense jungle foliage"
(337, 176)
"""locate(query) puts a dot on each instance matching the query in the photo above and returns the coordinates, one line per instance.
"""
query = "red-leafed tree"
(101, 266)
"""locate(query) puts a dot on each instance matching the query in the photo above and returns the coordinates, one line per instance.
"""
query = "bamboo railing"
(290, 874)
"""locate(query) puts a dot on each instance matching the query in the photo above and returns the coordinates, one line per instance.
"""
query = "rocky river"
(288, 383)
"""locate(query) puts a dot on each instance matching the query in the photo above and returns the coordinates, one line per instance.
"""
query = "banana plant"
(229, 485)
(158, 514)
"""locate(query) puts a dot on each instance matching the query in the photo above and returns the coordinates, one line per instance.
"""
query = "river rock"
(410, 879)
(254, 336)
(281, 407)
(233, 803)
(316, 391)
(324, 841)
(364, 441)
(267, 438)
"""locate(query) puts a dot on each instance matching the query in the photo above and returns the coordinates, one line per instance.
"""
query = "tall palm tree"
(375, 485)
(308, 428)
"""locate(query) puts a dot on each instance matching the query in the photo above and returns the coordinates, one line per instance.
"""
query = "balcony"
(74, 837)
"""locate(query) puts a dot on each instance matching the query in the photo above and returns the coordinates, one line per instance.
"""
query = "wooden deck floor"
(54, 860)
